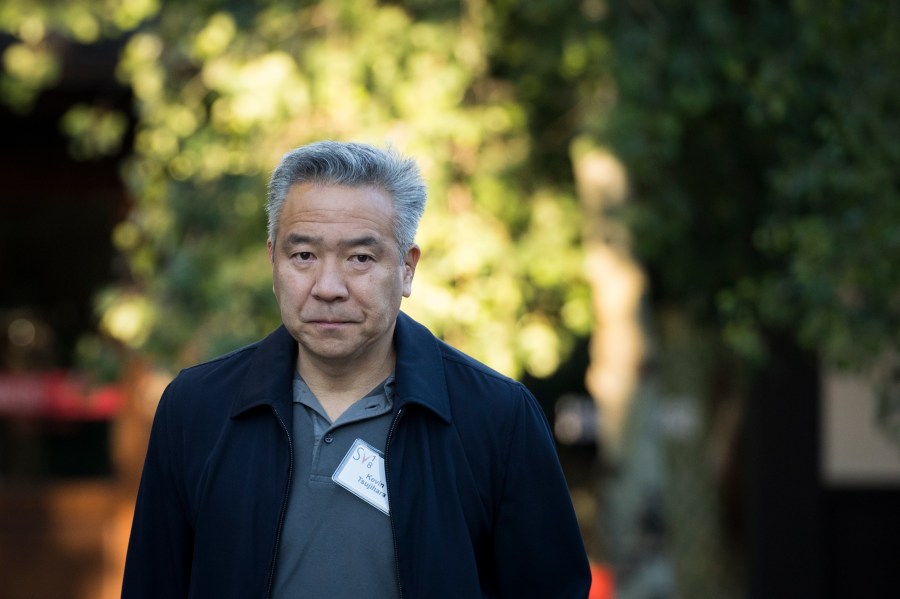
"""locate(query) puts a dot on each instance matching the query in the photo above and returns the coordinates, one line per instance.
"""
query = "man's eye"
(362, 258)
(303, 255)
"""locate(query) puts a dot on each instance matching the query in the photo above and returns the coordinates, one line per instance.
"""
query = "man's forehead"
(338, 201)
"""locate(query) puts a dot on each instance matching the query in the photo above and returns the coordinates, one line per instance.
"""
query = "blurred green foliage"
(762, 143)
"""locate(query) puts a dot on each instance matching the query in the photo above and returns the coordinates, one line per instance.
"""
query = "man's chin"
(327, 349)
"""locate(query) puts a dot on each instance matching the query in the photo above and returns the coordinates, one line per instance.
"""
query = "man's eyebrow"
(294, 239)
(364, 241)
(297, 239)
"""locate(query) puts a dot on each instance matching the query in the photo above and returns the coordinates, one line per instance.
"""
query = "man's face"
(337, 273)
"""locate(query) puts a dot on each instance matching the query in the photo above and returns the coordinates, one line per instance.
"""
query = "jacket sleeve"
(158, 562)
(539, 551)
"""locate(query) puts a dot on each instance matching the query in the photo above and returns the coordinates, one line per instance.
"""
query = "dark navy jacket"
(479, 506)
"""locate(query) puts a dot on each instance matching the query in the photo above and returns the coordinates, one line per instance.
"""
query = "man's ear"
(270, 249)
(409, 268)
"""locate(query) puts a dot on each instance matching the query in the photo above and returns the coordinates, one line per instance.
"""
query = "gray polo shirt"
(334, 543)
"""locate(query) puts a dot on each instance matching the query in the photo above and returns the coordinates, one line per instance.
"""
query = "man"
(350, 452)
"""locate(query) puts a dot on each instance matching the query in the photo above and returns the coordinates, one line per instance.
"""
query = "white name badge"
(362, 473)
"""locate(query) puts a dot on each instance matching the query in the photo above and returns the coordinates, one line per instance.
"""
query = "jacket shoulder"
(480, 396)
(219, 371)
(466, 365)
(220, 364)
(210, 385)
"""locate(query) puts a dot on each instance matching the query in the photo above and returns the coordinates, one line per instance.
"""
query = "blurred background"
(678, 222)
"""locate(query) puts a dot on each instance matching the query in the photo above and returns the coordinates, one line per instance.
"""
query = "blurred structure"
(617, 283)
(64, 536)
(70, 443)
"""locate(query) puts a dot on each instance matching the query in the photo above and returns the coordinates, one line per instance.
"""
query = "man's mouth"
(328, 321)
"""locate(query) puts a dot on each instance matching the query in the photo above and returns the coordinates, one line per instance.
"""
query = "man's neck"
(337, 386)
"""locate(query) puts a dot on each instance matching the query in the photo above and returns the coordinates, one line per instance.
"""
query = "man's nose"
(330, 284)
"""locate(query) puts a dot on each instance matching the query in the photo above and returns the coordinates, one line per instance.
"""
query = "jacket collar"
(270, 375)
(420, 368)
(419, 375)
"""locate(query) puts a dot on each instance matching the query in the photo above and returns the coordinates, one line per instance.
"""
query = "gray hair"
(353, 165)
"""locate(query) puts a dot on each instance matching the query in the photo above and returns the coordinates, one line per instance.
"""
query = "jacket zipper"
(387, 474)
(284, 503)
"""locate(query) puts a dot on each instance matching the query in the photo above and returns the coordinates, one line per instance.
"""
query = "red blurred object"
(601, 582)
(57, 394)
